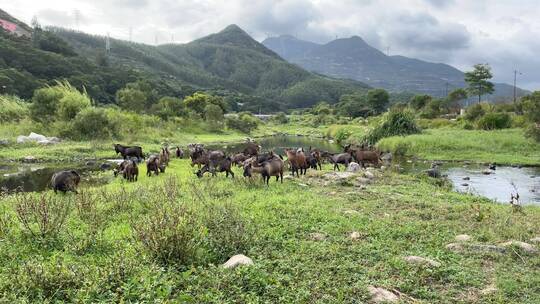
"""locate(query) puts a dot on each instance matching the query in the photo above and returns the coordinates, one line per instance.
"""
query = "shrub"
(494, 121)
(342, 134)
(533, 131)
(12, 108)
(401, 149)
(42, 216)
(71, 103)
(476, 111)
(60, 101)
(394, 123)
(244, 122)
(94, 123)
(44, 104)
(171, 233)
(280, 118)
(227, 231)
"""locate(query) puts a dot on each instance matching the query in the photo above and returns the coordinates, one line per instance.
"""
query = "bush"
(533, 131)
(61, 101)
(12, 108)
(42, 216)
(171, 233)
(394, 123)
(280, 118)
(244, 122)
(227, 231)
(401, 149)
(342, 134)
(94, 123)
(476, 111)
(494, 121)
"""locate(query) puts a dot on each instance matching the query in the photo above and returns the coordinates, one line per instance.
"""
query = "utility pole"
(77, 15)
(107, 44)
(516, 72)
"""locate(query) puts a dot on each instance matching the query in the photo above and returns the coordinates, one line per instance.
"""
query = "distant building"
(13, 28)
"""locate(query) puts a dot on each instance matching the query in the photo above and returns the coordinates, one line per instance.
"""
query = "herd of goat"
(250, 159)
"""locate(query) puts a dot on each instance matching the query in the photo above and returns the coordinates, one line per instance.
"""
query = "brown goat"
(273, 167)
(153, 165)
(297, 161)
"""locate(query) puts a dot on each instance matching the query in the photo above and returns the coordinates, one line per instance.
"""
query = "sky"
(503, 33)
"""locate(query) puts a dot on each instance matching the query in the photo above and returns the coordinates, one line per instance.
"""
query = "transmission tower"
(107, 44)
(77, 15)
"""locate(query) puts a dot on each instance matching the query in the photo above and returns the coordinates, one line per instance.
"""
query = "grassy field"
(508, 146)
(164, 238)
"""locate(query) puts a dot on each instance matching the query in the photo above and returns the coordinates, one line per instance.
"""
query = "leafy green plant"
(395, 123)
(494, 121)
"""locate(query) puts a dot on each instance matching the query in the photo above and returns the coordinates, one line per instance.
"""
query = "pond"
(497, 186)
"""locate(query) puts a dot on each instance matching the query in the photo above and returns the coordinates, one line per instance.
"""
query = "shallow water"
(497, 186)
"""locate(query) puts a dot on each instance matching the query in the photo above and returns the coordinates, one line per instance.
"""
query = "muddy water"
(497, 186)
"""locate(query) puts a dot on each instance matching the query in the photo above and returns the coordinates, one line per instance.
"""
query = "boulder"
(338, 175)
(387, 157)
(524, 246)
(105, 166)
(381, 295)
(369, 174)
(536, 240)
(463, 238)
(353, 167)
(238, 260)
(416, 260)
(38, 138)
(466, 178)
(4, 142)
(465, 185)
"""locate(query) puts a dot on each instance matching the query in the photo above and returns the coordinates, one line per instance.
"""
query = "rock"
(524, 246)
(487, 172)
(288, 177)
(105, 166)
(381, 295)
(369, 174)
(302, 185)
(351, 212)
(331, 141)
(363, 180)
(466, 178)
(4, 142)
(387, 157)
(465, 185)
(29, 159)
(90, 163)
(383, 168)
(492, 166)
(463, 238)
(38, 138)
(316, 236)
(338, 175)
(238, 260)
(353, 167)
(354, 236)
(535, 240)
(412, 259)
(433, 172)
(460, 247)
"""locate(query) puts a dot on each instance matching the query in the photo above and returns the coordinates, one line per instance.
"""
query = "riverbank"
(319, 238)
(507, 146)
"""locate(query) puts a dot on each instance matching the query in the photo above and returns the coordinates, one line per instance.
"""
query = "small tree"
(478, 80)
(214, 116)
(419, 101)
(378, 100)
(198, 102)
(131, 99)
(455, 97)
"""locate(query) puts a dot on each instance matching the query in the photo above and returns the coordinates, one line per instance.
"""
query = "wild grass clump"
(395, 123)
(42, 216)
(12, 108)
(495, 121)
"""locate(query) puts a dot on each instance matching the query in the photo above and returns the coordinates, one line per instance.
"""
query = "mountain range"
(353, 58)
(228, 63)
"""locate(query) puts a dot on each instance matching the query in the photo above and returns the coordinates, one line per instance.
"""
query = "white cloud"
(458, 32)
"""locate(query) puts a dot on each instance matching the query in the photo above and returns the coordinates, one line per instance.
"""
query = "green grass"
(96, 257)
(508, 146)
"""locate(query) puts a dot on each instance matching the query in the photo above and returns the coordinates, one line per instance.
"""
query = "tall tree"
(455, 97)
(478, 80)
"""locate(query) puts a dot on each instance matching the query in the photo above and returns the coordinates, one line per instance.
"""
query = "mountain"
(353, 58)
(229, 63)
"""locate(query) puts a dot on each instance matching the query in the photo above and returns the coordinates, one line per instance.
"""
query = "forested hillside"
(230, 62)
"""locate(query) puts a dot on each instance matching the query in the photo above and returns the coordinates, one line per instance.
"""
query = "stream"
(467, 178)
